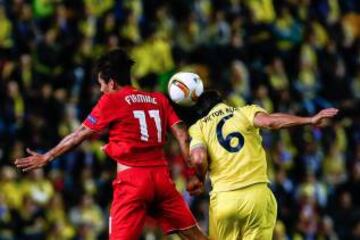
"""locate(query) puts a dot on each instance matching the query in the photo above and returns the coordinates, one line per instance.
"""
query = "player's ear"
(112, 84)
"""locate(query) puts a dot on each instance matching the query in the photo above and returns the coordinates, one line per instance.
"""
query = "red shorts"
(141, 192)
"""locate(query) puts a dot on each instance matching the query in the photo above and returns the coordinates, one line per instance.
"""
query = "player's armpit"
(85, 132)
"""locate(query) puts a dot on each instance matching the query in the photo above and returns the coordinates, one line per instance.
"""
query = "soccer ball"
(184, 88)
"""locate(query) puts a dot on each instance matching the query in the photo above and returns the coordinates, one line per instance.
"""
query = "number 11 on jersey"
(141, 116)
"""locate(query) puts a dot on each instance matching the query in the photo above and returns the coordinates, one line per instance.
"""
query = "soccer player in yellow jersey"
(241, 204)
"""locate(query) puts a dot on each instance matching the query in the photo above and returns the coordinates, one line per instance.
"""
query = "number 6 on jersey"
(225, 142)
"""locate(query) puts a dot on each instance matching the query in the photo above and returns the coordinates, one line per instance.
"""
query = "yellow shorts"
(247, 213)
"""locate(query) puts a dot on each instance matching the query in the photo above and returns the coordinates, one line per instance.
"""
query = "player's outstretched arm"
(282, 120)
(37, 160)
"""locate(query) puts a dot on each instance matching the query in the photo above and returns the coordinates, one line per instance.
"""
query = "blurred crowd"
(294, 56)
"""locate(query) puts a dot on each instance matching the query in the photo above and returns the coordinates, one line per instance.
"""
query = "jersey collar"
(216, 107)
(127, 88)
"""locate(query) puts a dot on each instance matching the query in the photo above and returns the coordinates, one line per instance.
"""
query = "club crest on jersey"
(92, 119)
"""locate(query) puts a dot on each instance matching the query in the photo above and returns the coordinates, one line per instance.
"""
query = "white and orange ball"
(184, 88)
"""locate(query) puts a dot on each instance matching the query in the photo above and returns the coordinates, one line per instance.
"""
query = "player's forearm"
(281, 120)
(68, 143)
(197, 167)
(180, 133)
(184, 142)
(65, 145)
(199, 160)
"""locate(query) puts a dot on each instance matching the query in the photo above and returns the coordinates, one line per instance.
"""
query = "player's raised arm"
(194, 185)
(200, 160)
(180, 133)
(197, 161)
(282, 120)
(37, 160)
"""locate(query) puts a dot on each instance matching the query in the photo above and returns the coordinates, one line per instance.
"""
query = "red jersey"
(137, 122)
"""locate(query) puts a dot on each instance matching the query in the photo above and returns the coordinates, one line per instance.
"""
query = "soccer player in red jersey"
(137, 123)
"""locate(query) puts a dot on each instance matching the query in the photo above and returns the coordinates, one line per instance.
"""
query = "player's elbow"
(269, 124)
(198, 157)
(198, 160)
(274, 126)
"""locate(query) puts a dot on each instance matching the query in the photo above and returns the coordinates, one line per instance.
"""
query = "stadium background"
(294, 56)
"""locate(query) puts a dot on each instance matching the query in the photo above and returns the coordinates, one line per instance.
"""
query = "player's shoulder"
(105, 98)
(250, 111)
(251, 108)
(113, 99)
(248, 106)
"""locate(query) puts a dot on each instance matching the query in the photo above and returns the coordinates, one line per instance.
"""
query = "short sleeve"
(171, 116)
(250, 112)
(101, 115)
(196, 136)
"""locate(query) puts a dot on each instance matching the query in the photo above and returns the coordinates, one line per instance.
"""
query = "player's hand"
(34, 161)
(323, 115)
(194, 186)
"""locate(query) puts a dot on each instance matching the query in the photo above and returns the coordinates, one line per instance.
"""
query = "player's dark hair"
(207, 101)
(115, 65)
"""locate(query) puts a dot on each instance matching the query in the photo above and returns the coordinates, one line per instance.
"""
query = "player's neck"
(115, 88)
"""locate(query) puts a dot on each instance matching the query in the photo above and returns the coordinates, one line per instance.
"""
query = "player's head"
(113, 69)
(207, 101)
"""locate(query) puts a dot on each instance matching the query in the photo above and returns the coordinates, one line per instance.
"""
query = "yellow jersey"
(237, 158)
